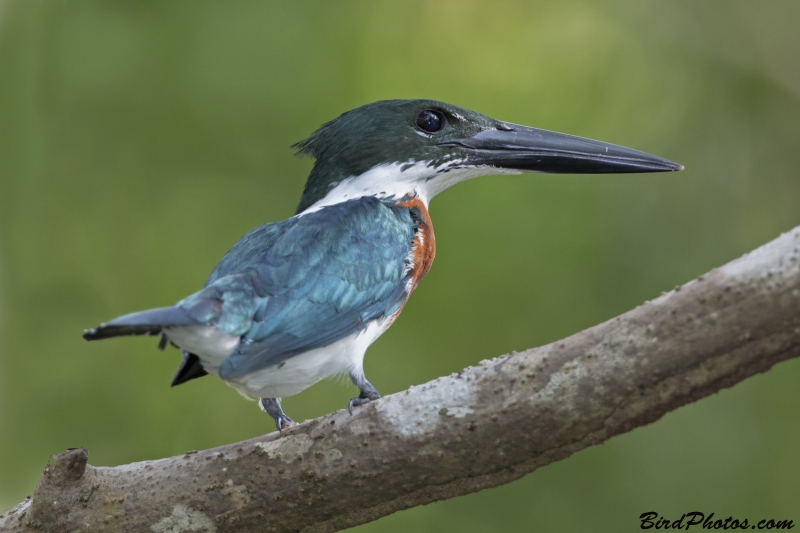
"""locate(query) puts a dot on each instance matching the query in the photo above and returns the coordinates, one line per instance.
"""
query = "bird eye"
(430, 121)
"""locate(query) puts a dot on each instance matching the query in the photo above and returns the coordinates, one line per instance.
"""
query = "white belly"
(345, 356)
(208, 343)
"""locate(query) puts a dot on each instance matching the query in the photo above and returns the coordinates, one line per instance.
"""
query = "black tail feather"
(190, 369)
(148, 322)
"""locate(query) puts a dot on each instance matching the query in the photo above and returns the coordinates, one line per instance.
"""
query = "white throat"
(401, 179)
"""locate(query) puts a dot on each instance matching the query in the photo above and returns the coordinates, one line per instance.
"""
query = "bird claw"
(368, 392)
(284, 422)
(272, 406)
(358, 400)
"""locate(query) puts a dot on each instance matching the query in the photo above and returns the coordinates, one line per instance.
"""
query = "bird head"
(422, 147)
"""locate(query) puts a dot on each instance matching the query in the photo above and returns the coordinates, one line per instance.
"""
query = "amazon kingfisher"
(302, 299)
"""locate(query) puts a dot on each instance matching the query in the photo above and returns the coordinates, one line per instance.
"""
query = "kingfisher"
(296, 301)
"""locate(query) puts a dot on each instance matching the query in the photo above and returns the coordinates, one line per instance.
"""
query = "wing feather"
(317, 278)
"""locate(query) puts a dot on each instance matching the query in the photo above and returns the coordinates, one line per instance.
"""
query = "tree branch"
(483, 427)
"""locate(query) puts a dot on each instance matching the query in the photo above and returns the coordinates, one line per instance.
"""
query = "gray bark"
(482, 427)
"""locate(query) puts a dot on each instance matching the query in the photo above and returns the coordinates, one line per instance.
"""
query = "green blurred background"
(139, 140)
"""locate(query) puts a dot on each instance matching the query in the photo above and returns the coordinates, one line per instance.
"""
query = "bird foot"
(272, 406)
(283, 422)
(361, 400)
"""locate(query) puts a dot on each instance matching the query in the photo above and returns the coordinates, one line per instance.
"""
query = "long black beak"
(523, 148)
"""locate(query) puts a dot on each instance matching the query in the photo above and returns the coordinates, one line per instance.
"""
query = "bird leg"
(272, 406)
(368, 392)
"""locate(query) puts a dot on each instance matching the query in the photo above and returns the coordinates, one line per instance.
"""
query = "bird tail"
(149, 322)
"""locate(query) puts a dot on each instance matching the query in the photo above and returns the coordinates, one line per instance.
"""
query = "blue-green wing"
(308, 281)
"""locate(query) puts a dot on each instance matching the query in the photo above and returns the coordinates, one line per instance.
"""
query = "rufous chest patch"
(423, 248)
